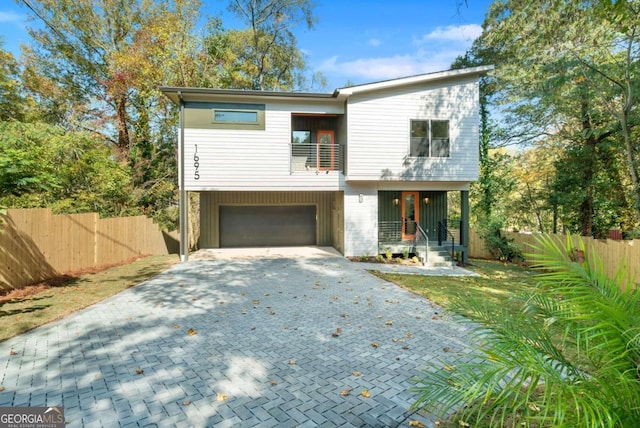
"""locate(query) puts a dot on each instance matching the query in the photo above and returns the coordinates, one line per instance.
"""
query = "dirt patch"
(58, 281)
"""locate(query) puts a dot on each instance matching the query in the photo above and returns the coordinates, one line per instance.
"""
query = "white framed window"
(429, 138)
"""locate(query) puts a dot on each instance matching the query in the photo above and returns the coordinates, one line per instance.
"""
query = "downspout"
(183, 197)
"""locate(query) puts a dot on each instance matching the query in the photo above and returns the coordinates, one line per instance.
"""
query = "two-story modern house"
(364, 169)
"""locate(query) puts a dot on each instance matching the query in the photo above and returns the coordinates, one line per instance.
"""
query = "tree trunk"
(588, 172)
(123, 131)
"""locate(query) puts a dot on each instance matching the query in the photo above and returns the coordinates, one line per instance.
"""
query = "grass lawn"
(497, 284)
(41, 304)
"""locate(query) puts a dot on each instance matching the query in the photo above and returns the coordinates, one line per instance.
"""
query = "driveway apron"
(246, 342)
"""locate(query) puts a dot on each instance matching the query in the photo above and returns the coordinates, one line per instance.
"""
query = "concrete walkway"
(276, 340)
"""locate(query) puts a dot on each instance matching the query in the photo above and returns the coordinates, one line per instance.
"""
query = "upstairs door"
(325, 150)
(410, 214)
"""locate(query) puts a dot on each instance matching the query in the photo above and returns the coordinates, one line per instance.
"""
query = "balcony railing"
(316, 157)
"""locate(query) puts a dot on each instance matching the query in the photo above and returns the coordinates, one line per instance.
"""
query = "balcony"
(316, 157)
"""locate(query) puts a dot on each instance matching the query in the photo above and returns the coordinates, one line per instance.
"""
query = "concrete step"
(436, 256)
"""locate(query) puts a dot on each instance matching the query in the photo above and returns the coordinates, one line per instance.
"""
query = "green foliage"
(501, 247)
(566, 74)
(570, 357)
(44, 166)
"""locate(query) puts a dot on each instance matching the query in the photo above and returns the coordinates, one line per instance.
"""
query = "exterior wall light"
(360, 197)
(396, 201)
(426, 200)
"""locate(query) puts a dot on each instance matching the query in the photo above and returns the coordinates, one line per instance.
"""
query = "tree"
(101, 62)
(264, 56)
(45, 166)
(577, 84)
(13, 104)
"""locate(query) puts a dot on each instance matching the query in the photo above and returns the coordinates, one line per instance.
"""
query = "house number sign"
(196, 164)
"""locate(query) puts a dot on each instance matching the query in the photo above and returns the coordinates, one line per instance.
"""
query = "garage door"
(261, 226)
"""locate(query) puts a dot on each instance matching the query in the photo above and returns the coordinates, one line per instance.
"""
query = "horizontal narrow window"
(235, 116)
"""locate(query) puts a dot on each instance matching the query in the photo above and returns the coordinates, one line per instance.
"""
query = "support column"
(184, 197)
(464, 224)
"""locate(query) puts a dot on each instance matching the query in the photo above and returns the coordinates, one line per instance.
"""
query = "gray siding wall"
(379, 132)
(430, 213)
(211, 201)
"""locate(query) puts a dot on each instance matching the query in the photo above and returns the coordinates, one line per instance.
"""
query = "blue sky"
(356, 41)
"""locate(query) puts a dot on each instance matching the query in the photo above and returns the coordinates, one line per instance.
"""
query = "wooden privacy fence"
(36, 245)
(612, 253)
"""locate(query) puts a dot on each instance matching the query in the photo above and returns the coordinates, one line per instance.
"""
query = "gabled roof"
(203, 94)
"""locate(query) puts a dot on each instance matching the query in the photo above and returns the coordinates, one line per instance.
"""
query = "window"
(429, 138)
(235, 116)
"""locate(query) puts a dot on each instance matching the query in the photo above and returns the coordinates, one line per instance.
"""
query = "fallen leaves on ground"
(192, 332)
(365, 393)
(176, 326)
(221, 397)
(389, 323)
(356, 374)
(375, 344)
(292, 362)
(13, 352)
(139, 371)
(416, 424)
(1, 388)
(344, 392)
(186, 402)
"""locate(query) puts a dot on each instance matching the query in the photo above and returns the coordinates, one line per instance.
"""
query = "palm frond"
(569, 358)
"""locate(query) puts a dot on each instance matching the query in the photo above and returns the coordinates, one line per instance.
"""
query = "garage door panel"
(259, 226)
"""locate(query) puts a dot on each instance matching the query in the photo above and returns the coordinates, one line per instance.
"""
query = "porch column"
(183, 195)
(464, 224)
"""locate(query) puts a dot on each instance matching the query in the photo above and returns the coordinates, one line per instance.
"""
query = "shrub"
(499, 245)
(571, 357)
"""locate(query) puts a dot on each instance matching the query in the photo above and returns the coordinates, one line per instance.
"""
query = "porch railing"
(316, 157)
(389, 231)
(445, 236)
(421, 235)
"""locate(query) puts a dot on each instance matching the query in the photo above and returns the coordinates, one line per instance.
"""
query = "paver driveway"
(277, 341)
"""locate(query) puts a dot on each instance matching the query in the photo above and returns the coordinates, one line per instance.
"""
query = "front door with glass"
(410, 214)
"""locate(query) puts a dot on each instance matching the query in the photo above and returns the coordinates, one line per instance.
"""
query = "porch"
(417, 223)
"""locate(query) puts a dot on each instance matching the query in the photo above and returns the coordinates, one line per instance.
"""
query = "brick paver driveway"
(274, 342)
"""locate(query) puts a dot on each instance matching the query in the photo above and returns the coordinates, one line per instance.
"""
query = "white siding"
(361, 220)
(232, 159)
(379, 125)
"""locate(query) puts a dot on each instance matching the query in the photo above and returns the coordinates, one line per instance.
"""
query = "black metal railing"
(444, 236)
(316, 157)
(416, 242)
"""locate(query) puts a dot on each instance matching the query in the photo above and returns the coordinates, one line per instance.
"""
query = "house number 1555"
(196, 164)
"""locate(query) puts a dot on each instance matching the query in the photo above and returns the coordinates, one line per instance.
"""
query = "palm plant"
(570, 357)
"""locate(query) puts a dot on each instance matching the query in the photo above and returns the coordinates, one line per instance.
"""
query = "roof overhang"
(177, 94)
(418, 79)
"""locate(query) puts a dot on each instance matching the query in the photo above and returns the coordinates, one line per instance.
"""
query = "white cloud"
(453, 33)
(374, 42)
(11, 17)
(425, 59)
